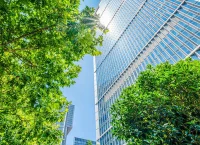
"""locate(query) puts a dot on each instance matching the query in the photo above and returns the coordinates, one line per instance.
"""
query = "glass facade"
(80, 141)
(67, 124)
(70, 117)
(141, 32)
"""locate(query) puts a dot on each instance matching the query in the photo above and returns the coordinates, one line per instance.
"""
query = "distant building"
(69, 118)
(67, 124)
(80, 141)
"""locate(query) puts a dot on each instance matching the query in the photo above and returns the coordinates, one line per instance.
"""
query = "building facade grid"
(141, 32)
(67, 124)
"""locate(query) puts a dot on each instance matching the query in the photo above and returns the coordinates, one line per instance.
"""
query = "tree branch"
(30, 33)
(18, 55)
(14, 50)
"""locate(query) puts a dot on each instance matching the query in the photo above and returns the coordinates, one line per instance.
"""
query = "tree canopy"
(40, 41)
(162, 107)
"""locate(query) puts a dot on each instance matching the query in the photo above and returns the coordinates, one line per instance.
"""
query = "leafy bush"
(162, 107)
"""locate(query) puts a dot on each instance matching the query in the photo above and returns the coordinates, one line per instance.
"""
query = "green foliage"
(89, 142)
(162, 107)
(40, 41)
(92, 20)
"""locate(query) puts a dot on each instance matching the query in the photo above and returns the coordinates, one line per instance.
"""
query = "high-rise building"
(80, 141)
(141, 32)
(67, 124)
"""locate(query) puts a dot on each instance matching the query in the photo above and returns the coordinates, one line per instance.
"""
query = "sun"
(105, 19)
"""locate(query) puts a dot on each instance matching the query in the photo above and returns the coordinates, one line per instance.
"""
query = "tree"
(89, 142)
(40, 41)
(162, 107)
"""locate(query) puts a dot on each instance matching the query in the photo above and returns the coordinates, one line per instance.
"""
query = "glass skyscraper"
(67, 124)
(141, 32)
(80, 141)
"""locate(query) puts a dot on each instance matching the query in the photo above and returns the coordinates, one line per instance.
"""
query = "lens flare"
(105, 19)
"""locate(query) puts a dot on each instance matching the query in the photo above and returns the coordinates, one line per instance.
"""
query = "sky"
(82, 96)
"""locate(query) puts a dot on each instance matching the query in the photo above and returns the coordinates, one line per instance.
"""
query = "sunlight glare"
(104, 20)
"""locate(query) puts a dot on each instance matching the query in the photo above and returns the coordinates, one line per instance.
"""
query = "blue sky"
(82, 96)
